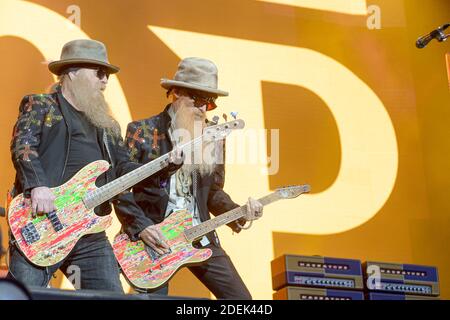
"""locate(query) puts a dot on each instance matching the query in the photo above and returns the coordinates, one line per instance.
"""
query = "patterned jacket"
(40, 144)
(148, 139)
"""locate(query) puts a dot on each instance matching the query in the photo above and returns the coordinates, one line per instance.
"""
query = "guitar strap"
(194, 192)
(105, 142)
(195, 175)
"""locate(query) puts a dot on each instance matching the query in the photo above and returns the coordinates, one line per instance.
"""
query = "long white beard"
(188, 124)
(92, 103)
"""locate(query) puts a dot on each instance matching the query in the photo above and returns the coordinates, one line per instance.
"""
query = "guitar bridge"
(29, 233)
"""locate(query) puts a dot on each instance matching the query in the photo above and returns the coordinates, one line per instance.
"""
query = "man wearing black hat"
(197, 185)
(55, 136)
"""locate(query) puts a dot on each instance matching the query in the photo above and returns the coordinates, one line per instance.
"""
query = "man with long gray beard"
(55, 136)
(198, 185)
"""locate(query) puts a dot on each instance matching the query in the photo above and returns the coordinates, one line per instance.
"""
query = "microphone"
(438, 34)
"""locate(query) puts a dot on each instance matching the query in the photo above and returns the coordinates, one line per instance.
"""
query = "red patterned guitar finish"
(47, 239)
(145, 269)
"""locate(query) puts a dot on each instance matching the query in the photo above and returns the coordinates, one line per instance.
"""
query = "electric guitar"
(144, 268)
(46, 240)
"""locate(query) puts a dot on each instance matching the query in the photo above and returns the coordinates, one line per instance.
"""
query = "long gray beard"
(204, 165)
(203, 158)
(92, 103)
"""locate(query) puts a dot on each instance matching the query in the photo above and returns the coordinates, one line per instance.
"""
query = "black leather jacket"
(40, 145)
(148, 139)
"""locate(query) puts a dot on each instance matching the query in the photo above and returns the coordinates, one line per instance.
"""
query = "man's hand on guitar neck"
(176, 156)
(254, 210)
(42, 200)
(153, 237)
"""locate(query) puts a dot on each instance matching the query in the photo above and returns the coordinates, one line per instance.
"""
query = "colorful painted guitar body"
(46, 240)
(145, 269)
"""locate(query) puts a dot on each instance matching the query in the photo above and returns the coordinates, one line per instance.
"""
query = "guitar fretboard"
(230, 216)
(128, 180)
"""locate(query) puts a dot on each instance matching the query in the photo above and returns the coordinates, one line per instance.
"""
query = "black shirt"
(84, 144)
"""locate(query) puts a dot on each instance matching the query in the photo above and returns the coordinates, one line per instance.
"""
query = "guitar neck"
(128, 180)
(223, 219)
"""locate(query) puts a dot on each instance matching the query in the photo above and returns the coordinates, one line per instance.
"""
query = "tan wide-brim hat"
(82, 52)
(197, 74)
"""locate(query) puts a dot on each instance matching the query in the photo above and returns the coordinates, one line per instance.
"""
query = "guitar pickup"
(56, 223)
(29, 233)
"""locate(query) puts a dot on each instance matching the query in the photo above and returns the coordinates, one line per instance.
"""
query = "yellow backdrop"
(362, 115)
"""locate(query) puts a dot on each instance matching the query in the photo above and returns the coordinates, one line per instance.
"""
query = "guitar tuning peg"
(234, 114)
(215, 119)
(225, 117)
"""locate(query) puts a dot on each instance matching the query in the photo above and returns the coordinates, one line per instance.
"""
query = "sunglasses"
(200, 101)
(101, 73)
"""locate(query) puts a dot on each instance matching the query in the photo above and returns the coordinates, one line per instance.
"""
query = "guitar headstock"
(220, 131)
(292, 192)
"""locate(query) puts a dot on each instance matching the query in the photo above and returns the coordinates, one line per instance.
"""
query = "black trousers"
(91, 265)
(218, 274)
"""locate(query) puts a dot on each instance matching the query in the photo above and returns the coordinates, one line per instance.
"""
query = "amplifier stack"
(316, 278)
(391, 281)
(296, 277)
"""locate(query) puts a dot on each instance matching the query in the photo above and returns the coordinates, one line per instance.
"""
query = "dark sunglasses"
(200, 101)
(101, 73)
